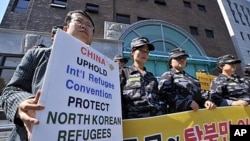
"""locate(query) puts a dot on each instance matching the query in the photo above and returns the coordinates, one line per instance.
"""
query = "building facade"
(195, 25)
(236, 14)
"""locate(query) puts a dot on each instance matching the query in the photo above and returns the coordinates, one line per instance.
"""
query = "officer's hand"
(239, 103)
(209, 105)
(27, 110)
(194, 106)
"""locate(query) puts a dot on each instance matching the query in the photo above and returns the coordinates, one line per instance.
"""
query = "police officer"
(53, 31)
(120, 60)
(139, 88)
(181, 91)
(228, 88)
(247, 72)
(52, 35)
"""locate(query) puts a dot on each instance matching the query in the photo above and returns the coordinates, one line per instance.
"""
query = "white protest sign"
(81, 94)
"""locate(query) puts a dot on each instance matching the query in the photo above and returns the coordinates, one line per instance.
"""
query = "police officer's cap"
(141, 41)
(227, 59)
(175, 53)
(121, 58)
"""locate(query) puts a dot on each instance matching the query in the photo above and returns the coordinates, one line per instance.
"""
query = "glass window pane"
(21, 6)
(209, 33)
(169, 47)
(7, 74)
(159, 46)
(187, 4)
(202, 8)
(62, 2)
(92, 8)
(194, 30)
(152, 32)
(191, 48)
(128, 40)
(123, 18)
(176, 37)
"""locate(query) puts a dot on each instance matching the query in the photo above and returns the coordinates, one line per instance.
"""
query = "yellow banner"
(209, 125)
(205, 80)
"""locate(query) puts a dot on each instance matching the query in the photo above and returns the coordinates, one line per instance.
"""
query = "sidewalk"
(5, 128)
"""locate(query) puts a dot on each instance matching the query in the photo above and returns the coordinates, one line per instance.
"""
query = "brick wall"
(41, 17)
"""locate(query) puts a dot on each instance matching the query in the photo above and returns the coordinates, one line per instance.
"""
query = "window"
(141, 18)
(248, 11)
(8, 63)
(229, 4)
(247, 20)
(209, 33)
(59, 3)
(21, 6)
(242, 36)
(242, 8)
(236, 6)
(161, 2)
(92, 8)
(121, 18)
(165, 37)
(193, 30)
(240, 15)
(234, 16)
(187, 4)
(202, 8)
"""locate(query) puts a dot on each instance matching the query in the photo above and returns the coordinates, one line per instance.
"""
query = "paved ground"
(4, 125)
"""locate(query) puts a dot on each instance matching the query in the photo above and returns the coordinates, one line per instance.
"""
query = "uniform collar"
(178, 72)
(226, 77)
(133, 69)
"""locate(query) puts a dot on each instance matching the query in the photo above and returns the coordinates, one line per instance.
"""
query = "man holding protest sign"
(20, 97)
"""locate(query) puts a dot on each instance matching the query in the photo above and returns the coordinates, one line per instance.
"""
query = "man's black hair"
(68, 17)
(54, 28)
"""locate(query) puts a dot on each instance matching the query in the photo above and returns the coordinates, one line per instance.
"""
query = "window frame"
(202, 7)
(193, 30)
(160, 2)
(187, 4)
(209, 33)
(123, 18)
(59, 3)
(20, 6)
(92, 8)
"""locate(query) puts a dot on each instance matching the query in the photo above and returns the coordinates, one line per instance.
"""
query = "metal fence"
(5, 126)
(5, 130)
(8, 63)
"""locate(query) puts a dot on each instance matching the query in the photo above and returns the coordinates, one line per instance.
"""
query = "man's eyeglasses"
(82, 22)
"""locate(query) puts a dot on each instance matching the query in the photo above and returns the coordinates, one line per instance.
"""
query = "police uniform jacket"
(179, 89)
(225, 90)
(139, 92)
(26, 80)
